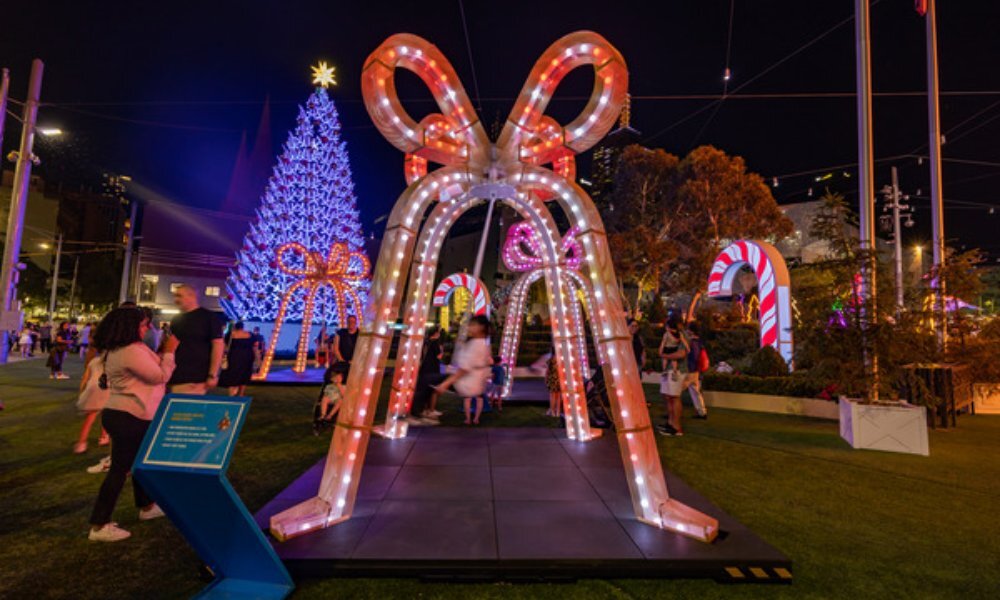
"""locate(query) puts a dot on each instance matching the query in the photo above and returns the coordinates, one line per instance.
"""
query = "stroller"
(598, 404)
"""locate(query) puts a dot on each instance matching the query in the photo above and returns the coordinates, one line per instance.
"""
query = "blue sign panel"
(182, 464)
(197, 433)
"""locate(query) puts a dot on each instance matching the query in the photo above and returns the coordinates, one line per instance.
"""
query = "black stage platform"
(284, 375)
(515, 504)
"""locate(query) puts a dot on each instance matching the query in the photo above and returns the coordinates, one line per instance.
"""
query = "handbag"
(671, 382)
(95, 394)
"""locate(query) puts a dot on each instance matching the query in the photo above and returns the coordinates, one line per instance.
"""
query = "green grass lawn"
(856, 524)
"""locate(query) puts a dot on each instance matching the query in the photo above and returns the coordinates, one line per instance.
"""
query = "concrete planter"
(987, 398)
(892, 428)
(783, 405)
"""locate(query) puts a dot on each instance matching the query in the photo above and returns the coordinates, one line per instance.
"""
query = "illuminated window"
(147, 288)
(212, 290)
(174, 287)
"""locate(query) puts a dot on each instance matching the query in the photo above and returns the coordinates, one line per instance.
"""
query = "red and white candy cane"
(480, 295)
(773, 289)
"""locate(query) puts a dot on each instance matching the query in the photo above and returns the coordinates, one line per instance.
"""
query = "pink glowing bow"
(522, 251)
(456, 137)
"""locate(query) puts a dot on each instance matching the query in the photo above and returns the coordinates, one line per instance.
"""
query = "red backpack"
(703, 362)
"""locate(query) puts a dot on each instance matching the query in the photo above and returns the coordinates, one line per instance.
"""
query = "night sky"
(163, 91)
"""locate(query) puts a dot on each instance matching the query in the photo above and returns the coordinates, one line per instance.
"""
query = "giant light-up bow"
(340, 269)
(510, 171)
(522, 253)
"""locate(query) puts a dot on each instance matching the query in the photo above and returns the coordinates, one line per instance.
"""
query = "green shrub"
(767, 362)
(798, 385)
(731, 344)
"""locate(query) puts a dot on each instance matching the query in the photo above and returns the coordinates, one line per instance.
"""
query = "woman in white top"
(473, 360)
(136, 377)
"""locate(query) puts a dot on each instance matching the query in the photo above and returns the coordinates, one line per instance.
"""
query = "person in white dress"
(472, 361)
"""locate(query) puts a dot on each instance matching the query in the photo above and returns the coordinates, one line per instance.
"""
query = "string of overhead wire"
(767, 70)
(726, 75)
(472, 64)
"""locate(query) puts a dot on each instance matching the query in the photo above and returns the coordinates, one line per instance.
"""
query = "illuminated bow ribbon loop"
(522, 253)
(522, 236)
(340, 269)
(455, 137)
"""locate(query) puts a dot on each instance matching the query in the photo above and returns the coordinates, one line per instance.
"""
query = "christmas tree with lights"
(308, 206)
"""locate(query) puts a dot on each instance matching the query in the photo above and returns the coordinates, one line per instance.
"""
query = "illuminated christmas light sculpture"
(522, 253)
(340, 270)
(772, 284)
(309, 200)
(480, 295)
(473, 171)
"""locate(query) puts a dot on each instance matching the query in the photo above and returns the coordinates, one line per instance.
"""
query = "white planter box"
(782, 405)
(882, 427)
(987, 398)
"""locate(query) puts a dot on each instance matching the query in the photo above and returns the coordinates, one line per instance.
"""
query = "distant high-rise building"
(606, 154)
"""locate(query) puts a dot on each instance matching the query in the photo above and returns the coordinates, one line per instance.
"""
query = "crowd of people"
(131, 362)
(55, 341)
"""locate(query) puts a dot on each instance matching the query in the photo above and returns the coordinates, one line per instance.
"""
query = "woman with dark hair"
(472, 361)
(237, 361)
(136, 377)
(60, 345)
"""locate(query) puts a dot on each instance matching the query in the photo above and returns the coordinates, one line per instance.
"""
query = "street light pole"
(19, 197)
(55, 278)
(4, 90)
(866, 191)
(937, 202)
(127, 266)
(72, 287)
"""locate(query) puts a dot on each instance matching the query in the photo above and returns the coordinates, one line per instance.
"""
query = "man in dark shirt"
(344, 342)
(638, 348)
(199, 355)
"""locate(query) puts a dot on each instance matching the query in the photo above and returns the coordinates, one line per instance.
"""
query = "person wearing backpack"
(697, 363)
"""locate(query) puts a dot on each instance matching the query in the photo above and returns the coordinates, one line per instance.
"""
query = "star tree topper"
(323, 74)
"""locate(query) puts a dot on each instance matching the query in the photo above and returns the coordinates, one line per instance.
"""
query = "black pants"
(46, 344)
(423, 391)
(126, 433)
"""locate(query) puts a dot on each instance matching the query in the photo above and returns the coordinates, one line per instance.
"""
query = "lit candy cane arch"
(772, 284)
(480, 295)
(340, 269)
(475, 170)
(522, 254)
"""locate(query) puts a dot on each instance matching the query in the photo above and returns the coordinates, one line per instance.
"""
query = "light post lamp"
(10, 315)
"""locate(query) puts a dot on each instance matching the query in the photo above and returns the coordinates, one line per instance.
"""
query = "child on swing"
(472, 361)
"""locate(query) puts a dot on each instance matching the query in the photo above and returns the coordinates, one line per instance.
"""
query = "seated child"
(331, 396)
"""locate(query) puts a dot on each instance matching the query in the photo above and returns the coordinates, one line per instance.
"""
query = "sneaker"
(666, 430)
(102, 466)
(434, 413)
(109, 533)
(429, 421)
(62, 376)
(104, 440)
(413, 420)
(79, 447)
(151, 513)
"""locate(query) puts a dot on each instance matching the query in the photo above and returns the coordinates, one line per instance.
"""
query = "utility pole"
(4, 90)
(19, 197)
(866, 191)
(72, 287)
(55, 279)
(937, 203)
(894, 202)
(127, 263)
